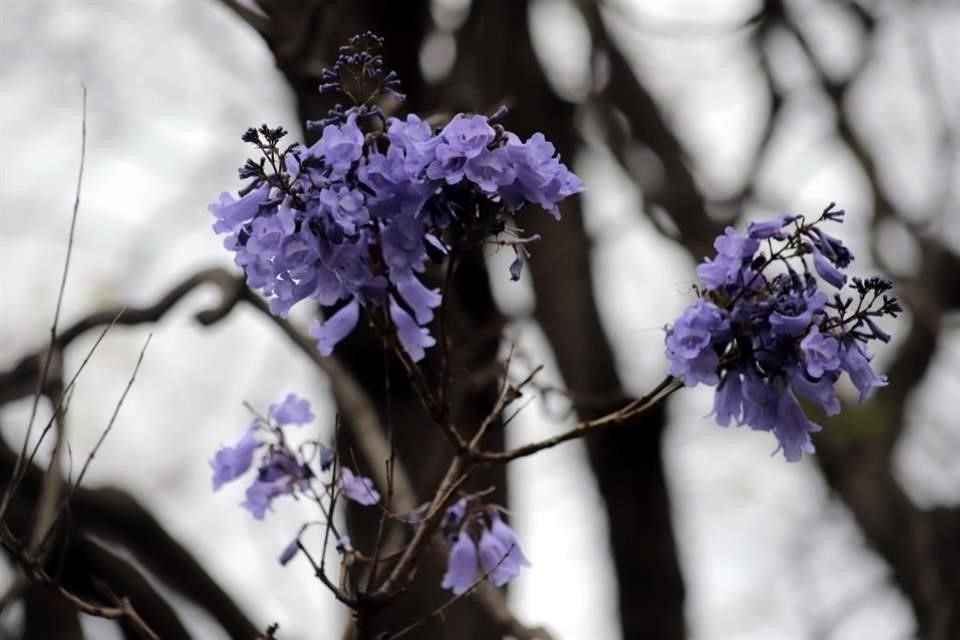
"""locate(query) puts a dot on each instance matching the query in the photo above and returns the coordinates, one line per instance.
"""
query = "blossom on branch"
(765, 334)
(353, 220)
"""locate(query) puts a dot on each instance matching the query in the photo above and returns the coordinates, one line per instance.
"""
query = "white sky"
(171, 87)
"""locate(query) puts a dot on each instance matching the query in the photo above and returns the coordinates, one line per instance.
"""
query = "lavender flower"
(230, 463)
(462, 570)
(358, 488)
(352, 221)
(820, 352)
(497, 555)
(293, 410)
(506, 535)
(764, 339)
(495, 559)
(289, 551)
(283, 470)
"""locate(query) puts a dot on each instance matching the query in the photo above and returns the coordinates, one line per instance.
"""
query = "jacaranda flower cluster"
(281, 470)
(352, 220)
(765, 332)
(482, 544)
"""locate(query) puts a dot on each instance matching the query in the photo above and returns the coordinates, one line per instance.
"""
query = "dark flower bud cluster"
(765, 332)
(352, 220)
(358, 75)
(282, 470)
(481, 544)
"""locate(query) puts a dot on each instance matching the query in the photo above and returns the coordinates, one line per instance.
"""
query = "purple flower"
(794, 313)
(412, 336)
(761, 337)
(462, 571)
(540, 177)
(327, 457)
(793, 428)
(289, 551)
(453, 518)
(261, 493)
(820, 352)
(230, 463)
(231, 214)
(734, 251)
(340, 146)
(346, 207)
(336, 328)
(358, 488)
(468, 136)
(463, 139)
(293, 410)
(822, 391)
(760, 401)
(689, 343)
(857, 364)
(728, 401)
(495, 559)
(827, 271)
(508, 537)
(490, 170)
(268, 233)
(281, 474)
(831, 247)
(768, 228)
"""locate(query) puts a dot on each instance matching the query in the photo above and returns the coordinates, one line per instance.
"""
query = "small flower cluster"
(352, 220)
(482, 545)
(282, 470)
(763, 338)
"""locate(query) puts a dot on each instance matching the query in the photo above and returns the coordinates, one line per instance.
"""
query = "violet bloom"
(281, 474)
(689, 343)
(827, 270)
(857, 364)
(508, 537)
(230, 463)
(346, 207)
(453, 518)
(462, 139)
(793, 428)
(734, 251)
(231, 214)
(769, 228)
(794, 312)
(261, 494)
(336, 328)
(358, 488)
(760, 401)
(728, 401)
(820, 352)
(293, 410)
(327, 456)
(414, 338)
(340, 146)
(289, 552)
(462, 570)
(490, 170)
(495, 561)
(823, 391)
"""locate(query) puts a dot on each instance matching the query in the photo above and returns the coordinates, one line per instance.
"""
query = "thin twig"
(635, 408)
(113, 417)
(449, 603)
(48, 357)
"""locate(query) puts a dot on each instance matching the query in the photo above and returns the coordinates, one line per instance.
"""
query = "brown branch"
(634, 409)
